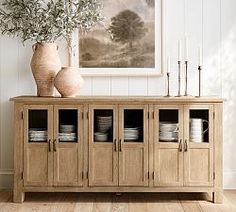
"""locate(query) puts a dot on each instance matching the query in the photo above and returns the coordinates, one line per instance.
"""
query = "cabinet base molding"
(117, 189)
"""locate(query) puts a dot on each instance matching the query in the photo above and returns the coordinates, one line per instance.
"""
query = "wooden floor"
(97, 202)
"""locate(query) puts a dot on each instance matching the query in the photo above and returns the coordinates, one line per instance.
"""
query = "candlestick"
(186, 48)
(179, 50)
(179, 78)
(186, 78)
(168, 84)
(199, 81)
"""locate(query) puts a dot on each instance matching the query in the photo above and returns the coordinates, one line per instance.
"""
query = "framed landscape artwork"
(130, 44)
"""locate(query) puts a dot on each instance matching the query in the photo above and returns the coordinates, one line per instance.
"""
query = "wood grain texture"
(122, 168)
(103, 160)
(109, 202)
(68, 157)
(133, 156)
(199, 156)
(115, 99)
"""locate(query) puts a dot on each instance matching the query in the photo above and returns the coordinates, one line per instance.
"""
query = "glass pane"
(68, 125)
(133, 125)
(37, 125)
(168, 125)
(199, 126)
(103, 125)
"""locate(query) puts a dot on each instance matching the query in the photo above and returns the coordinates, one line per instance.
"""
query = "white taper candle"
(168, 64)
(179, 50)
(200, 56)
(186, 48)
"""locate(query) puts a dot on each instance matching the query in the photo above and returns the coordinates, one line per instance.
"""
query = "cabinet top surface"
(115, 99)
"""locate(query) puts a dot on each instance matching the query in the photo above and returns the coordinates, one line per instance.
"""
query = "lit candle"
(179, 50)
(168, 64)
(200, 56)
(186, 48)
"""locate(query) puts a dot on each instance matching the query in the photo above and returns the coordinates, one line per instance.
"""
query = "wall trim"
(6, 171)
(6, 179)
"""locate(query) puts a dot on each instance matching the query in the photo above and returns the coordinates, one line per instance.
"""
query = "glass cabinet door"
(38, 134)
(103, 145)
(67, 145)
(198, 145)
(168, 145)
(133, 145)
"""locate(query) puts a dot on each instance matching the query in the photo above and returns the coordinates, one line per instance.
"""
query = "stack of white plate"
(104, 123)
(131, 133)
(67, 132)
(67, 136)
(168, 131)
(99, 136)
(67, 128)
(38, 134)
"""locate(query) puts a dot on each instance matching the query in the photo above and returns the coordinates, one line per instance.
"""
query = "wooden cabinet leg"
(18, 196)
(218, 197)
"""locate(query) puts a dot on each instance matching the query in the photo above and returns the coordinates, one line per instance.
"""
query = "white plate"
(167, 139)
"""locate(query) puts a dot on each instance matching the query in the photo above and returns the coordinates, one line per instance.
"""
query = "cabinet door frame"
(200, 146)
(158, 146)
(112, 146)
(28, 146)
(133, 145)
(79, 145)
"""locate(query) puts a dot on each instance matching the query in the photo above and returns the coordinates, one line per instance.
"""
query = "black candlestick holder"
(186, 79)
(179, 78)
(199, 81)
(168, 84)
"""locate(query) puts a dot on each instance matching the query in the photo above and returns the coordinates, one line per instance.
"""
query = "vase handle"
(34, 47)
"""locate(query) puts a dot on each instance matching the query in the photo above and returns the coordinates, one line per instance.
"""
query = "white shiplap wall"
(207, 23)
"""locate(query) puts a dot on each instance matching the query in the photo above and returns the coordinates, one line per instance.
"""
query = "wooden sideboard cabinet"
(118, 144)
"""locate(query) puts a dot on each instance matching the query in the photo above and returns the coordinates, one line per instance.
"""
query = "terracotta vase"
(45, 64)
(68, 82)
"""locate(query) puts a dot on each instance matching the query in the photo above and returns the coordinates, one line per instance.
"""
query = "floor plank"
(108, 202)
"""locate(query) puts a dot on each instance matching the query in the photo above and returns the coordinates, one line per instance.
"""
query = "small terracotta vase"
(45, 64)
(68, 82)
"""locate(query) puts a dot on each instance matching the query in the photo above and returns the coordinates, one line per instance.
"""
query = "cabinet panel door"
(103, 152)
(68, 145)
(168, 145)
(198, 158)
(38, 133)
(133, 145)
(169, 168)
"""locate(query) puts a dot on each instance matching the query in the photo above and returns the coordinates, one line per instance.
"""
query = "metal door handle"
(54, 145)
(49, 145)
(115, 143)
(120, 149)
(180, 145)
(185, 145)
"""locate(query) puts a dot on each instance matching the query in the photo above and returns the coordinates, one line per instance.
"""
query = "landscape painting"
(126, 42)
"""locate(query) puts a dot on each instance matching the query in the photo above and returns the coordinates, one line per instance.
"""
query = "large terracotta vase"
(45, 64)
(68, 82)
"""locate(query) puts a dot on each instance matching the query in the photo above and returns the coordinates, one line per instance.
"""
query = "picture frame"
(158, 52)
